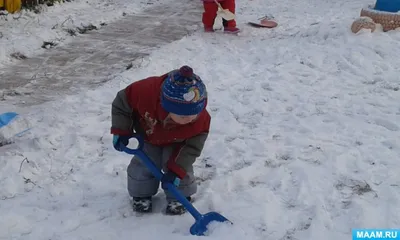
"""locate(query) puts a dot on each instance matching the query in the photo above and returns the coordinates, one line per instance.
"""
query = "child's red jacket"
(138, 108)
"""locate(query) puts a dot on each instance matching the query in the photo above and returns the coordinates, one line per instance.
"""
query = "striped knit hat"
(183, 92)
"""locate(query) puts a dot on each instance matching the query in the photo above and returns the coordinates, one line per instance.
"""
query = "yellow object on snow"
(11, 6)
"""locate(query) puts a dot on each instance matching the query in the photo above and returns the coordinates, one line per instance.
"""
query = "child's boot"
(230, 27)
(208, 29)
(232, 30)
(142, 204)
(174, 207)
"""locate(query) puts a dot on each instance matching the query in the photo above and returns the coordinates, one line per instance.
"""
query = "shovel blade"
(226, 14)
(200, 226)
(6, 118)
(12, 125)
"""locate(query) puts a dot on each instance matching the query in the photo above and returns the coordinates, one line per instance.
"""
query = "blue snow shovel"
(12, 125)
(6, 118)
(202, 220)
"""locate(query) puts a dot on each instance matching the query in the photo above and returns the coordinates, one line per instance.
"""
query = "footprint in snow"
(389, 144)
(387, 124)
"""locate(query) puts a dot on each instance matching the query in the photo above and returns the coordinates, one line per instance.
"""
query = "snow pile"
(23, 34)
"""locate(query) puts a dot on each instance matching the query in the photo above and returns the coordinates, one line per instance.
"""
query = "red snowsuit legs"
(210, 12)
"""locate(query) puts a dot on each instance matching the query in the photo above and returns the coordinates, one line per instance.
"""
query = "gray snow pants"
(142, 183)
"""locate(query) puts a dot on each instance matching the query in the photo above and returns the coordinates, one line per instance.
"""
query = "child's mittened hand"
(171, 178)
(118, 140)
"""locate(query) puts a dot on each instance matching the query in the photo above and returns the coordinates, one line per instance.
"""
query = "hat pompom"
(186, 72)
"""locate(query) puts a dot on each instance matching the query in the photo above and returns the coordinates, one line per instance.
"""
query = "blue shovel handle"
(200, 226)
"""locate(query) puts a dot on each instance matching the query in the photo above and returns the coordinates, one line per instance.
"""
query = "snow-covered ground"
(24, 32)
(304, 141)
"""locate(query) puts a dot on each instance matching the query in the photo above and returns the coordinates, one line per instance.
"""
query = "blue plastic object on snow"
(388, 5)
(6, 118)
(12, 125)
(202, 220)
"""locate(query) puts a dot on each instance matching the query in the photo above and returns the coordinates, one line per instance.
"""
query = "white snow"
(304, 116)
(24, 32)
